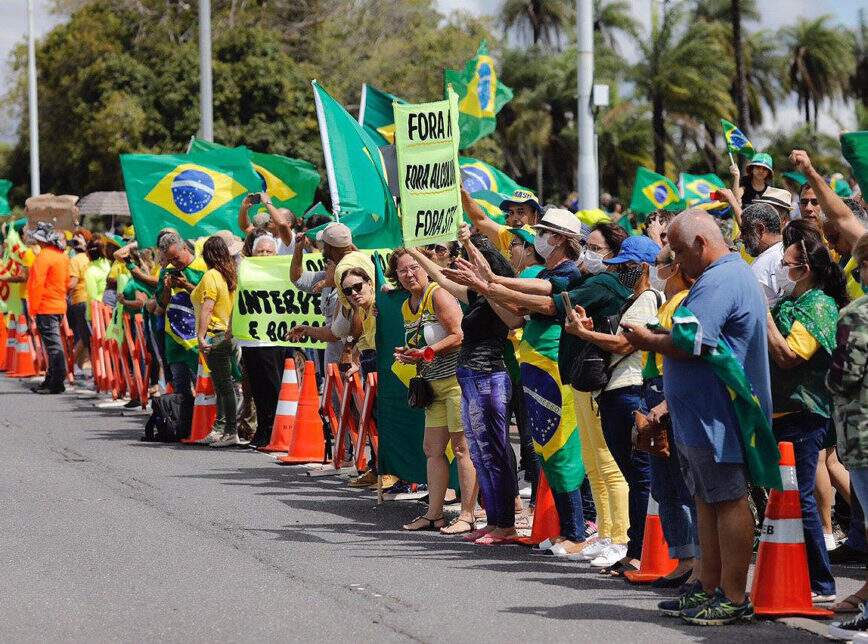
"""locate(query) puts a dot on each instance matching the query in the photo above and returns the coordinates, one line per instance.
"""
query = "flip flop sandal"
(476, 534)
(619, 572)
(431, 524)
(491, 540)
(848, 605)
(471, 526)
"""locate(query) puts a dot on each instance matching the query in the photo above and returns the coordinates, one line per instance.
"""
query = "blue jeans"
(570, 514)
(677, 509)
(856, 533)
(616, 417)
(806, 432)
(484, 411)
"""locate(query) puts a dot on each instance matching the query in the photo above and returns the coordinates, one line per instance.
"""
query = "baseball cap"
(336, 235)
(777, 197)
(636, 249)
(562, 221)
(519, 197)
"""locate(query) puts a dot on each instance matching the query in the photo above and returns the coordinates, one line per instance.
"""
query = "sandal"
(618, 569)
(451, 529)
(849, 604)
(492, 540)
(473, 536)
(430, 524)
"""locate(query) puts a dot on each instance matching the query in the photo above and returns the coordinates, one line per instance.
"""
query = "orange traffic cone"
(655, 561)
(11, 343)
(780, 581)
(24, 365)
(546, 524)
(205, 408)
(287, 407)
(4, 337)
(308, 443)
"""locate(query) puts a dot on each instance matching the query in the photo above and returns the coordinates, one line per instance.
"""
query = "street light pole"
(206, 109)
(587, 177)
(31, 103)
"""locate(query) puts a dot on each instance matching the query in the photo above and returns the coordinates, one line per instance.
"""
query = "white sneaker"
(610, 556)
(210, 438)
(593, 550)
(229, 440)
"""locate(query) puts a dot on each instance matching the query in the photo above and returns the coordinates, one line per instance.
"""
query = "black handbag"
(591, 370)
(420, 393)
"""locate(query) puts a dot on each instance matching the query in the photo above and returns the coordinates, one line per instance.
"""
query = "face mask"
(782, 277)
(542, 246)
(593, 262)
(629, 277)
(657, 282)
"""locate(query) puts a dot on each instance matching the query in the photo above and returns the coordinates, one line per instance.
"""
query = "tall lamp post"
(33, 113)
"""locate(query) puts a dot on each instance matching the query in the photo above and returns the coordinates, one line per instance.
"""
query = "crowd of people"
(584, 338)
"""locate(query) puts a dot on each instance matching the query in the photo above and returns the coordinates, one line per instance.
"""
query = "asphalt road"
(104, 538)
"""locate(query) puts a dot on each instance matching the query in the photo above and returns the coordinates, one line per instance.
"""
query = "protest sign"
(426, 138)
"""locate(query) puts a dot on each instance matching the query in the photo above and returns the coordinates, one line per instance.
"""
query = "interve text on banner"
(426, 139)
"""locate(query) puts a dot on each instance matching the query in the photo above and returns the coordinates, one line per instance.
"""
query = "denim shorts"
(708, 480)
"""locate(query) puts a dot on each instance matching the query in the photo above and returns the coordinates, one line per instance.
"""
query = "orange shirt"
(47, 283)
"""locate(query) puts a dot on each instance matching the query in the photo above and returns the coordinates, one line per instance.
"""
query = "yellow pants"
(608, 485)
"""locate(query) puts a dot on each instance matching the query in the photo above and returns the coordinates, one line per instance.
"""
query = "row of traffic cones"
(781, 585)
(297, 429)
(19, 359)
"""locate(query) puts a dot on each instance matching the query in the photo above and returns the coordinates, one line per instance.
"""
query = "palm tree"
(613, 18)
(545, 19)
(859, 80)
(624, 143)
(820, 62)
(764, 70)
(682, 71)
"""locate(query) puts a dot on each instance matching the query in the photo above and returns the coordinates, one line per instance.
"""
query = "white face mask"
(542, 245)
(593, 262)
(657, 282)
(782, 277)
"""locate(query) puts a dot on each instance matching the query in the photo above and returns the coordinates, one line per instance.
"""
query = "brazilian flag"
(736, 141)
(652, 191)
(478, 176)
(198, 194)
(697, 188)
(376, 114)
(480, 96)
(291, 183)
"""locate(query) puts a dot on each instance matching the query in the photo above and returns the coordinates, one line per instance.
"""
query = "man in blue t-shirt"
(728, 302)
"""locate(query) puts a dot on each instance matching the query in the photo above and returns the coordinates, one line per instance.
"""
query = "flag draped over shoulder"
(761, 455)
(401, 428)
(357, 182)
(197, 194)
(291, 183)
(854, 146)
(5, 185)
(652, 191)
(697, 188)
(376, 115)
(736, 141)
(480, 96)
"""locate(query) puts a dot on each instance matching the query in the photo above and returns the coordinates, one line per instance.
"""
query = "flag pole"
(31, 103)
(206, 106)
(588, 186)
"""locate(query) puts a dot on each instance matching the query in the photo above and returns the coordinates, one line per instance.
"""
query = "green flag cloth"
(426, 142)
(797, 177)
(360, 194)
(291, 183)
(477, 176)
(5, 185)
(736, 141)
(854, 146)
(652, 191)
(839, 184)
(697, 188)
(197, 194)
(317, 209)
(480, 96)
(490, 204)
(401, 428)
(376, 115)
(761, 455)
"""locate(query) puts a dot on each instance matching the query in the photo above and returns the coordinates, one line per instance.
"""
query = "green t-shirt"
(600, 295)
(180, 340)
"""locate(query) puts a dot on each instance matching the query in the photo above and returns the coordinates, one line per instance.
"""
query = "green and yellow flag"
(5, 185)
(480, 96)
(736, 141)
(197, 194)
(652, 191)
(854, 146)
(761, 454)
(376, 115)
(697, 188)
(291, 183)
(478, 176)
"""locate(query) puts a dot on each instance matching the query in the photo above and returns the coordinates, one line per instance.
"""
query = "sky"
(775, 14)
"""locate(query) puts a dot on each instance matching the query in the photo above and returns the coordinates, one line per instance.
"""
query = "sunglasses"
(353, 288)
(813, 202)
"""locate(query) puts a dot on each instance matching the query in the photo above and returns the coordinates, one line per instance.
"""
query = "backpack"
(165, 424)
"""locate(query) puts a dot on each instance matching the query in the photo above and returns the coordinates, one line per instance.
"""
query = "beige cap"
(777, 197)
(335, 235)
(560, 220)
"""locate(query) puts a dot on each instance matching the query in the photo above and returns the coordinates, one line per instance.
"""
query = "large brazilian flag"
(197, 194)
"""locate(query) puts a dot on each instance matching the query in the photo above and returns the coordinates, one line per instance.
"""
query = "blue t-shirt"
(729, 303)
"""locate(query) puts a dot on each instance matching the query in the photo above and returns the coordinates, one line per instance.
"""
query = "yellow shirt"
(213, 287)
(77, 265)
(801, 342)
(504, 238)
(854, 288)
(664, 315)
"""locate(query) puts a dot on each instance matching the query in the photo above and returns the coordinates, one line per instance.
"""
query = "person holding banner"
(432, 320)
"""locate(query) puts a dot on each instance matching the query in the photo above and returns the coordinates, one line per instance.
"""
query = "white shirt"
(627, 370)
(764, 268)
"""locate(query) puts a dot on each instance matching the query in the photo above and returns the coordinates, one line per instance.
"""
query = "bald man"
(729, 304)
